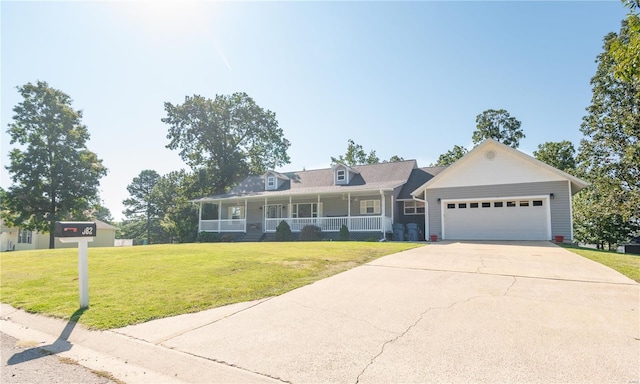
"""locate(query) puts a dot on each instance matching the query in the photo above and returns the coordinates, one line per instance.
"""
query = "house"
(16, 239)
(494, 192)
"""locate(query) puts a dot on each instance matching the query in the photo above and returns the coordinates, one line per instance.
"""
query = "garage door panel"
(496, 223)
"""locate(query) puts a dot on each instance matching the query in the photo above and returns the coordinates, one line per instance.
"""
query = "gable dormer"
(342, 174)
(274, 180)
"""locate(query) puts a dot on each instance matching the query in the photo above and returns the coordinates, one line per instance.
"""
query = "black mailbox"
(75, 229)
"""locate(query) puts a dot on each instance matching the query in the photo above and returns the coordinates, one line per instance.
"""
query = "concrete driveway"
(454, 312)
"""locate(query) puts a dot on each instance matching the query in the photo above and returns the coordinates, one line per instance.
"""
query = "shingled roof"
(374, 177)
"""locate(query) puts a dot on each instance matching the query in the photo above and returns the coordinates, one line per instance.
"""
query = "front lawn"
(628, 265)
(132, 285)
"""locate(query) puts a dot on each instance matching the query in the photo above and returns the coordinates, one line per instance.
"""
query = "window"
(273, 211)
(304, 210)
(511, 203)
(451, 206)
(369, 207)
(236, 212)
(271, 182)
(24, 236)
(341, 175)
(486, 205)
(537, 203)
(473, 205)
(497, 204)
(462, 205)
(524, 203)
(413, 207)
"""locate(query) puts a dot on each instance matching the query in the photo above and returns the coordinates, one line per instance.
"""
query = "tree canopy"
(228, 137)
(609, 153)
(451, 156)
(141, 207)
(55, 176)
(356, 155)
(498, 125)
(559, 154)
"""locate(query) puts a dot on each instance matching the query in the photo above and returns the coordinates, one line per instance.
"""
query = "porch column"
(349, 211)
(384, 213)
(264, 215)
(290, 209)
(200, 218)
(245, 215)
(219, 216)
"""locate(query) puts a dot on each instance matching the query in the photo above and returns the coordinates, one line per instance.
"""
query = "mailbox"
(75, 229)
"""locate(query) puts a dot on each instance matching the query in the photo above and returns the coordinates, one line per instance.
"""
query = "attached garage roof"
(491, 149)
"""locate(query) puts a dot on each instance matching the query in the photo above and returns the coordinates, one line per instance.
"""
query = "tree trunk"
(52, 224)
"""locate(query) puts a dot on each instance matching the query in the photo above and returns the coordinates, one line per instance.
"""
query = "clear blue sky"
(401, 78)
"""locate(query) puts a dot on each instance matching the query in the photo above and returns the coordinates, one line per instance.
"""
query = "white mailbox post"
(81, 232)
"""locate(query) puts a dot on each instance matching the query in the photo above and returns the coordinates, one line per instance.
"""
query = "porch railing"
(224, 225)
(333, 224)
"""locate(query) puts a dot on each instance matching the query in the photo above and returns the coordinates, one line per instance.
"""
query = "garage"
(515, 218)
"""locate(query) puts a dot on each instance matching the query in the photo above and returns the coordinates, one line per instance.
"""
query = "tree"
(625, 50)
(141, 207)
(178, 216)
(559, 154)
(226, 138)
(356, 155)
(54, 175)
(394, 158)
(609, 155)
(451, 156)
(498, 125)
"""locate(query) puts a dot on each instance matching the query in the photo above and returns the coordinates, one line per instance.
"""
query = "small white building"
(16, 239)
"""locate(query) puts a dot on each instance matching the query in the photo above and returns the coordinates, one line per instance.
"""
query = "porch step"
(252, 237)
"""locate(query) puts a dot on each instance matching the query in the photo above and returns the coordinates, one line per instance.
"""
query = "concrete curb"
(126, 358)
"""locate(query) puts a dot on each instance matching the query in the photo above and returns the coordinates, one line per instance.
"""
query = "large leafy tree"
(355, 155)
(178, 216)
(55, 176)
(609, 153)
(451, 156)
(498, 125)
(225, 138)
(140, 207)
(560, 154)
(625, 50)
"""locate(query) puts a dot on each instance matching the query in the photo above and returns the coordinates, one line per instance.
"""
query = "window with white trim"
(24, 236)
(369, 207)
(341, 175)
(236, 212)
(271, 182)
(302, 210)
(413, 207)
(273, 211)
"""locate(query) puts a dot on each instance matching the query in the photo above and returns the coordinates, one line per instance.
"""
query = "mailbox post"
(81, 232)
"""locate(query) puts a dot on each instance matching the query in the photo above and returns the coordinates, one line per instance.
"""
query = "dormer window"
(271, 182)
(341, 175)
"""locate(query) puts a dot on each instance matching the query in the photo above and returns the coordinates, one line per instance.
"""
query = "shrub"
(283, 232)
(311, 233)
(344, 233)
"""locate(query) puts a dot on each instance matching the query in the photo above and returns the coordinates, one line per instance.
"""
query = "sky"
(400, 78)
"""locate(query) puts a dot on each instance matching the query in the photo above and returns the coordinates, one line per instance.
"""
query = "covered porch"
(359, 213)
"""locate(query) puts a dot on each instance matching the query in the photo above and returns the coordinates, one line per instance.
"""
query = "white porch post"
(426, 217)
(349, 211)
(384, 213)
(264, 214)
(200, 218)
(219, 215)
(245, 215)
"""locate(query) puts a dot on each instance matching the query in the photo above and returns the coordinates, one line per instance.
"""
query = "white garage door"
(508, 219)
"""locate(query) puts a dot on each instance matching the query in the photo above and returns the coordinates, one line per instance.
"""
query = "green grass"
(628, 265)
(136, 284)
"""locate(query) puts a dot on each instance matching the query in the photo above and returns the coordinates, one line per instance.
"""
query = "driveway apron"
(454, 312)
